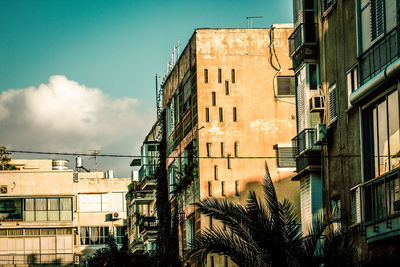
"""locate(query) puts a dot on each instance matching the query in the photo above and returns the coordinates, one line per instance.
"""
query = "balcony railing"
(381, 198)
(304, 141)
(303, 34)
(147, 170)
(379, 55)
(148, 223)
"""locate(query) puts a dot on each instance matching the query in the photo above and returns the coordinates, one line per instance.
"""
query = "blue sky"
(116, 46)
(85, 69)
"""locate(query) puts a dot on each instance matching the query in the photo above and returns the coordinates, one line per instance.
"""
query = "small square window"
(233, 73)
(285, 85)
(236, 149)
(215, 172)
(207, 114)
(210, 191)
(223, 189)
(222, 149)
(205, 75)
(219, 76)
(237, 189)
(229, 161)
(234, 114)
(221, 115)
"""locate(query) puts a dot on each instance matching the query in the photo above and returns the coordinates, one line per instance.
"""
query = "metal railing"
(303, 141)
(379, 55)
(39, 258)
(381, 198)
(147, 170)
(305, 33)
(147, 223)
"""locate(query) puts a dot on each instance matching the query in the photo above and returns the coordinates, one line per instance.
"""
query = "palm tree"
(263, 233)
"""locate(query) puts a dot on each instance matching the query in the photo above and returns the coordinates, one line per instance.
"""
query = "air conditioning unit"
(317, 104)
(320, 134)
(116, 215)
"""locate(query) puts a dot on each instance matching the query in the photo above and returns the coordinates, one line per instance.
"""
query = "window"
(233, 78)
(221, 115)
(236, 149)
(237, 189)
(377, 19)
(213, 99)
(381, 136)
(90, 202)
(234, 114)
(223, 189)
(332, 103)
(119, 234)
(222, 149)
(94, 235)
(228, 161)
(326, 4)
(219, 76)
(208, 149)
(285, 85)
(171, 180)
(212, 261)
(356, 203)
(10, 209)
(47, 209)
(207, 115)
(285, 158)
(210, 191)
(227, 87)
(205, 75)
(215, 172)
(313, 77)
(352, 82)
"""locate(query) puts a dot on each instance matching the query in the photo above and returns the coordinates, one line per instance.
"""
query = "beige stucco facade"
(234, 119)
(42, 215)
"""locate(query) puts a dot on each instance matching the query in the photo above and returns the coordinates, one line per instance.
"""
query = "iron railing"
(147, 170)
(381, 198)
(305, 33)
(379, 55)
(147, 223)
(304, 141)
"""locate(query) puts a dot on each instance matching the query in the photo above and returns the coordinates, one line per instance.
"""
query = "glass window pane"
(383, 145)
(54, 204)
(66, 204)
(376, 155)
(41, 204)
(29, 204)
(394, 130)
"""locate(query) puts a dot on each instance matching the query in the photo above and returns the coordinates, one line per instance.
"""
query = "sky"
(77, 75)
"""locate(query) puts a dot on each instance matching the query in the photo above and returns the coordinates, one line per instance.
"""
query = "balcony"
(305, 150)
(303, 43)
(379, 208)
(379, 55)
(148, 226)
(143, 197)
(147, 170)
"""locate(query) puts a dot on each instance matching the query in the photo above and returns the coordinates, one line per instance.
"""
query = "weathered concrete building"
(51, 215)
(345, 56)
(229, 103)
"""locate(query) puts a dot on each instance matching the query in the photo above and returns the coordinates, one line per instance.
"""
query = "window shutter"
(285, 157)
(356, 196)
(305, 203)
(377, 19)
(332, 103)
(285, 85)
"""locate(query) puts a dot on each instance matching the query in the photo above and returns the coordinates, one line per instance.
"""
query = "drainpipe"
(368, 88)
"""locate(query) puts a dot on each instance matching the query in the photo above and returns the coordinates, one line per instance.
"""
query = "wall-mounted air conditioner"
(317, 104)
(116, 215)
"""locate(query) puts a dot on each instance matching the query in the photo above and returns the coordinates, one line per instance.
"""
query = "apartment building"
(142, 217)
(50, 214)
(346, 62)
(230, 108)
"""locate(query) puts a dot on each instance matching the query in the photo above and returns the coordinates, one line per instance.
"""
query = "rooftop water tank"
(59, 164)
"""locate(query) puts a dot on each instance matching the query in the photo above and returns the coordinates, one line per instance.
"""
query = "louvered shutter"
(301, 108)
(356, 196)
(332, 103)
(377, 19)
(285, 157)
(305, 203)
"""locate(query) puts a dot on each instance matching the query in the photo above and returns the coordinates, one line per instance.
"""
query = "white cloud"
(65, 116)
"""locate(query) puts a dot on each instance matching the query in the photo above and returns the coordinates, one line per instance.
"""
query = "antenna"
(95, 152)
(251, 20)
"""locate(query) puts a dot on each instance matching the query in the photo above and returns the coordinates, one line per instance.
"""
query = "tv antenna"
(251, 20)
(95, 152)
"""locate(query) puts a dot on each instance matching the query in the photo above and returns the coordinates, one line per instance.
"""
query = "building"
(142, 217)
(50, 214)
(229, 102)
(346, 62)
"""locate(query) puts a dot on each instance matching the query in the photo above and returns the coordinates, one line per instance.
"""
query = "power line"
(174, 157)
